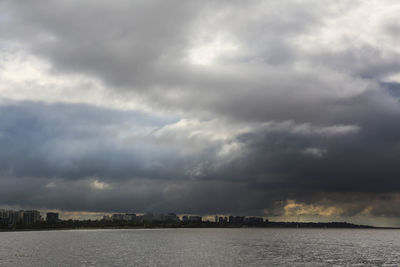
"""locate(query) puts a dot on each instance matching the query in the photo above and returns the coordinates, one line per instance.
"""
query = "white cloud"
(25, 77)
(311, 129)
(326, 131)
(315, 152)
(96, 184)
(50, 185)
(206, 53)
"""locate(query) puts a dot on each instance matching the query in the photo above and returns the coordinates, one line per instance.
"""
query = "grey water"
(202, 247)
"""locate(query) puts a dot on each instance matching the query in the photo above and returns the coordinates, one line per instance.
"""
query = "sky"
(285, 109)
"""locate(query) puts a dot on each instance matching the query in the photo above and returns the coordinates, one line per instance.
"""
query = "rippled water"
(201, 247)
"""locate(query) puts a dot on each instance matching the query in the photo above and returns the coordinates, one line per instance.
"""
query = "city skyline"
(285, 110)
(31, 217)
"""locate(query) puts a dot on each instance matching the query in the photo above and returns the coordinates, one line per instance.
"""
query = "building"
(239, 219)
(139, 219)
(195, 219)
(117, 217)
(148, 217)
(13, 217)
(52, 217)
(222, 219)
(159, 217)
(31, 217)
(2, 216)
(10, 217)
(171, 217)
(236, 219)
(254, 221)
(130, 217)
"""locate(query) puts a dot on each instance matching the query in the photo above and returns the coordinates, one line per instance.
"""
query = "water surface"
(201, 247)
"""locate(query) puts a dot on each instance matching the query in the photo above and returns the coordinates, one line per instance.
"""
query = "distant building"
(117, 217)
(20, 215)
(52, 217)
(9, 217)
(3, 219)
(148, 217)
(239, 219)
(13, 217)
(236, 219)
(139, 219)
(195, 219)
(130, 217)
(159, 217)
(185, 218)
(253, 221)
(222, 219)
(171, 217)
(31, 217)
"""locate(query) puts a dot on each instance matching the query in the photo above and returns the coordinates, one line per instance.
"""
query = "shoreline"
(191, 227)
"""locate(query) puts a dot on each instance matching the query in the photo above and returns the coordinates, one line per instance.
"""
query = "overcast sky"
(272, 108)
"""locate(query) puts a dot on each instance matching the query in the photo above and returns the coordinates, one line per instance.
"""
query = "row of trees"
(101, 224)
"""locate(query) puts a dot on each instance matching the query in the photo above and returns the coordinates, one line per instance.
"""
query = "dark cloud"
(251, 107)
(73, 157)
(59, 140)
(143, 48)
(393, 88)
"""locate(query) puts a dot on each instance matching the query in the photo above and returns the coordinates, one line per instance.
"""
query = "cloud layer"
(256, 107)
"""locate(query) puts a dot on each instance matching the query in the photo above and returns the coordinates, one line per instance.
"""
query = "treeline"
(101, 224)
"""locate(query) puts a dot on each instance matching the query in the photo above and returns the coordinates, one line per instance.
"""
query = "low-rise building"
(195, 218)
(117, 217)
(52, 217)
(222, 219)
(130, 217)
(171, 217)
(148, 217)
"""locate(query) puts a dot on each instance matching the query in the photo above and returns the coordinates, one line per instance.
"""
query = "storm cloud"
(210, 107)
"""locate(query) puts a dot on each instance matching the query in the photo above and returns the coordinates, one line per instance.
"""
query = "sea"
(202, 247)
